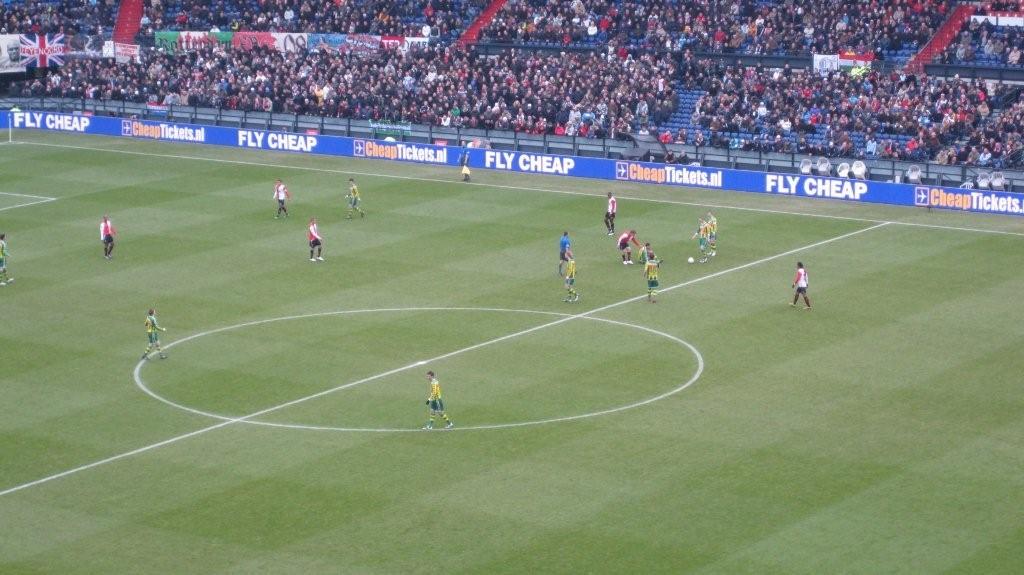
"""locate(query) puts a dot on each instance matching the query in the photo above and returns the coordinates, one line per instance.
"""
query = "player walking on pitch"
(107, 233)
(627, 252)
(651, 268)
(152, 330)
(800, 283)
(564, 252)
(609, 216)
(281, 194)
(353, 198)
(315, 241)
(4, 254)
(436, 404)
(570, 281)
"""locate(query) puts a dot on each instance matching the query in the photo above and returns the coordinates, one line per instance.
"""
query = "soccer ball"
(689, 260)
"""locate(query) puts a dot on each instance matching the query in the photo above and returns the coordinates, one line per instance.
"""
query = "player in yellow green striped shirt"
(570, 281)
(436, 404)
(651, 273)
(353, 198)
(702, 234)
(152, 330)
(712, 223)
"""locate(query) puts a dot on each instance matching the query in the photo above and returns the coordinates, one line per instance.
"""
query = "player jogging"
(107, 233)
(712, 223)
(570, 281)
(353, 198)
(651, 273)
(281, 194)
(315, 241)
(464, 162)
(702, 234)
(152, 330)
(564, 252)
(609, 216)
(436, 404)
(627, 252)
(4, 254)
(800, 283)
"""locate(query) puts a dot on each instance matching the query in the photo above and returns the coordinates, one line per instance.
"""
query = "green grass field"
(880, 433)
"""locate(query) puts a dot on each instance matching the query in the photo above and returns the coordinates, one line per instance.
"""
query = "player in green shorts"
(570, 281)
(436, 403)
(152, 330)
(702, 234)
(353, 198)
(4, 253)
(651, 273)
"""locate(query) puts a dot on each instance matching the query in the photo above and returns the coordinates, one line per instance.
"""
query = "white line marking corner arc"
(250, 419)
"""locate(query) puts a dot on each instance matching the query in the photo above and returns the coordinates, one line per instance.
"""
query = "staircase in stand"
(129, 21)
(472, 33)
(943, 36)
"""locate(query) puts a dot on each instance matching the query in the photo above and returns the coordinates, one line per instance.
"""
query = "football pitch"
(719, 430)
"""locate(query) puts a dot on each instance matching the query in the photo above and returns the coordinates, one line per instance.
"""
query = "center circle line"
(140, 383)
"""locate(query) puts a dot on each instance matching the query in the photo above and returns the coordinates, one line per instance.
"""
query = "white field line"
(27, 204)
(693, 379)
(390, 372)
(27, 196)
(524, 188)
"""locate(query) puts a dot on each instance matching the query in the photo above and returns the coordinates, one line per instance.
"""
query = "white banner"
(1015, 20)
(10, 54)
(125, 53)
(290, 42)
(409, 43)
(825, 63)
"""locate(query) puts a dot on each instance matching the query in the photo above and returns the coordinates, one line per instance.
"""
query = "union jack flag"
(42, 51)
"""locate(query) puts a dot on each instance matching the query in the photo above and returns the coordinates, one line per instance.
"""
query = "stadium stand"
(986, 44)
(444, 19)
(586, 94)
(881, 114)
(894, 30)
(644, 76)
(62, 17)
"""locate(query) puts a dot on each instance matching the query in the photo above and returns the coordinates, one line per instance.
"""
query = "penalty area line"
(507, 337)
(27, 204)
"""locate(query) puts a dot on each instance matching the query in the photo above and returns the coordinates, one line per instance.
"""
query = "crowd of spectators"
(620, 88)
(593, 95)
(440, 18)
(984, 43)
(877, 114)
(745, 26)
(63, 17)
